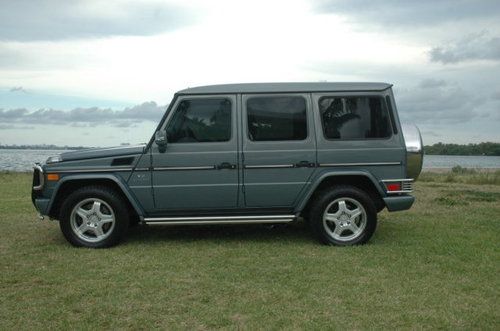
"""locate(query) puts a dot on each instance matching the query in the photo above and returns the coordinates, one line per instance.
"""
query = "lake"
(23, 160)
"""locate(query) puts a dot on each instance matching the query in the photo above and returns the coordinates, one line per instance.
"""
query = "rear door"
(279, 148)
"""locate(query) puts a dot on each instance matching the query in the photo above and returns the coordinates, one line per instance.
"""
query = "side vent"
(122, 161)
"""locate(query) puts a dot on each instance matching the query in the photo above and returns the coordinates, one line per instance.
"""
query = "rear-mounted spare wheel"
(414, 150)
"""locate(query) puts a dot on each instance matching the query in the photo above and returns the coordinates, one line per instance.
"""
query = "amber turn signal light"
(52, 177)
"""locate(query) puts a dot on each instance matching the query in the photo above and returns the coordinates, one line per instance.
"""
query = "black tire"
(111, 205)
(352, 231)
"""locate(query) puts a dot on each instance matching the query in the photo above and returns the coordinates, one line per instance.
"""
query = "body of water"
(23, 160)
(465, 161)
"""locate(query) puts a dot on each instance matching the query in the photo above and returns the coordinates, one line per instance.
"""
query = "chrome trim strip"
(219, 220)
(391, 192)
(358, 164)
(90, 170)
(41, 178)
(260, 221)
(184, 168)
(206, 218)
(142, 169)
(269, 166)
(398, 180)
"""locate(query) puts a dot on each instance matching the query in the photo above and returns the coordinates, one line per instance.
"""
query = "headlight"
(54, 159)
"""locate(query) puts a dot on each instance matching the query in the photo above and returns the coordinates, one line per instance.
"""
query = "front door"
(198, 169)
(279, 148)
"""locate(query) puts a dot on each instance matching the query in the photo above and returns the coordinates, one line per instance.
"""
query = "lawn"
(435, 266)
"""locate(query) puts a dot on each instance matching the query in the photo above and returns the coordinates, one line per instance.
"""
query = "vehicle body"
(333, 153)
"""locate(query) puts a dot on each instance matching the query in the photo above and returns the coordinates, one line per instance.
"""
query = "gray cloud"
(409, 12)
(14, 127)
(26, 20)
(18, 89)
(430, 133)
(444, 103)
(86, 117)
(473, 47)
(432, 83)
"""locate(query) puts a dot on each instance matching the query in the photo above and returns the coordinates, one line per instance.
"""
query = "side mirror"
(161, 140)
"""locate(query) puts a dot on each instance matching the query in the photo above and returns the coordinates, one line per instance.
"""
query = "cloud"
(18, 89)
(430, 133)
(86, 117)
(431, 83)
(26, 20)
(473, 47)
(15, 127)
(444, 103)
(409, 13)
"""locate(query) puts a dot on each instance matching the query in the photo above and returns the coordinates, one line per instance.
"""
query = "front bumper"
(39, 201)
(400, 202)
(41, 205)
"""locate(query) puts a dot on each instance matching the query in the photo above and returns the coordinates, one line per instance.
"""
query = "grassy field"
(435, 266)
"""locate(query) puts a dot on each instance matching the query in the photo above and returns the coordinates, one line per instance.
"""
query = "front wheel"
(94, 217)
(343, 216)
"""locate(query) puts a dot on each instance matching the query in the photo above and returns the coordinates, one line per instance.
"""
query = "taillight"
(392, 187)
(398, 185)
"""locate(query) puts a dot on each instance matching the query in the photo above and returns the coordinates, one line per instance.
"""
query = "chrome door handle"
(226, 165)
(305, 164)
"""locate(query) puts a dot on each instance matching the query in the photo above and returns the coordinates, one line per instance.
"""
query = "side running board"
(220, 220)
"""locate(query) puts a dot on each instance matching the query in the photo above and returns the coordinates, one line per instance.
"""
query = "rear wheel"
(343, 216)
(94, 217)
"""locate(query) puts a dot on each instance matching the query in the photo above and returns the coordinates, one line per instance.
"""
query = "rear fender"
(329, 174)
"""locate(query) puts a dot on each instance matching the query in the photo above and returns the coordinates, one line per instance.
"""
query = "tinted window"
(354, 117)
(200, 120)
(391, 114)
(276, 118)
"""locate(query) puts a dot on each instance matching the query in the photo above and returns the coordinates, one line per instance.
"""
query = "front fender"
(83, 177)
(335, 173)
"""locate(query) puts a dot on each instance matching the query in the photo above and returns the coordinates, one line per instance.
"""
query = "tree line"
(487, 148)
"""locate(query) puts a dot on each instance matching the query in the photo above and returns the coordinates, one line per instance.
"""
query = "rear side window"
(276, 118)
(354, 118)
(200, 120)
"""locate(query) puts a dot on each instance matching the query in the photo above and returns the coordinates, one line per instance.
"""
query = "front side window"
(276, 118)
(200, 120)
(347, 118)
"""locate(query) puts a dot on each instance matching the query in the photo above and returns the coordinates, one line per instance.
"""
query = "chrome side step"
(220, 220)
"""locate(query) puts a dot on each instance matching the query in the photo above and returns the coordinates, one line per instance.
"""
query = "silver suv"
(330, 153)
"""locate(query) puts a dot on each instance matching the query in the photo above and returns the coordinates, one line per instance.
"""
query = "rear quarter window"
(350, 118)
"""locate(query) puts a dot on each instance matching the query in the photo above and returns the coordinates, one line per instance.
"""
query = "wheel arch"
(73, 182)
(360, 179)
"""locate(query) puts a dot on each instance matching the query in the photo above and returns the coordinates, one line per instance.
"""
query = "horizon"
(95, 73)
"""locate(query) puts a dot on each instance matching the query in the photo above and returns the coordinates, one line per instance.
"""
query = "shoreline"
(446, 170)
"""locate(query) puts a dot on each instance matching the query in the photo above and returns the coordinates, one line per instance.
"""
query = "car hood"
(93, 153)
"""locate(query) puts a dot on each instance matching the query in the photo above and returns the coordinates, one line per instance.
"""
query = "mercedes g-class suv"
(332, 154)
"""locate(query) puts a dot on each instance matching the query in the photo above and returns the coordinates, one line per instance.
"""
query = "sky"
(101, 73)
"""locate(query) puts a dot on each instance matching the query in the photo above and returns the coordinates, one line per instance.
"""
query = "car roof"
(285, 87)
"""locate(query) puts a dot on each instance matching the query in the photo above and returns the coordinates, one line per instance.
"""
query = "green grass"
(435, 266)
(463, 175)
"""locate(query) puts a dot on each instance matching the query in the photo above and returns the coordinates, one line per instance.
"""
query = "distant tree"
(486, 148)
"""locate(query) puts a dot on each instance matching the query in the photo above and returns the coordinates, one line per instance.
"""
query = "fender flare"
(336, 173)
(117, 180)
